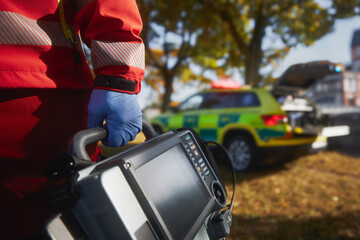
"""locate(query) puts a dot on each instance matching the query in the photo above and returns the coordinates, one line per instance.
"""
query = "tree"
(230, 34)
(169, 36)
(288, 23)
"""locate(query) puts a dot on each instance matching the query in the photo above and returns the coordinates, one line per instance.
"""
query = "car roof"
(245, 89)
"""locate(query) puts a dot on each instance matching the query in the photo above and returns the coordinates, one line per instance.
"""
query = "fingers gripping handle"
(78, 143)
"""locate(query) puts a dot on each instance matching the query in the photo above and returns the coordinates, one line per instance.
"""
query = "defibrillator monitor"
(173, 182)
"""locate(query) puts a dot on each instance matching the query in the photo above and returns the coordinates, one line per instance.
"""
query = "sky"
(334, 47)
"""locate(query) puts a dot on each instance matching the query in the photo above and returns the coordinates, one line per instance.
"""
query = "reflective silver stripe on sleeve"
(16, 29)
(117, 53)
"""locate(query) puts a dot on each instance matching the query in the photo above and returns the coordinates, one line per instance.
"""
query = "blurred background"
(193, 43)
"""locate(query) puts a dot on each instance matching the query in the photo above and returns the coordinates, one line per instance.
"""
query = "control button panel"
(199, 161)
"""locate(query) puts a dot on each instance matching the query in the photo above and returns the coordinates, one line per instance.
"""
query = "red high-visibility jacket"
(34, 52)
(39, 111)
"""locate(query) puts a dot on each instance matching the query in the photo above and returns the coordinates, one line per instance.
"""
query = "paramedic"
(48, 92)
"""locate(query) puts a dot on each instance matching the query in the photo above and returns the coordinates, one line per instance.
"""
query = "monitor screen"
(174, 188)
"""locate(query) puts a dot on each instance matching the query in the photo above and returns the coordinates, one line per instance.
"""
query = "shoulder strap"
(66, 30)
(68, 34)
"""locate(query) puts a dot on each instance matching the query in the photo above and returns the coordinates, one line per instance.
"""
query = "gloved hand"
(122, 114)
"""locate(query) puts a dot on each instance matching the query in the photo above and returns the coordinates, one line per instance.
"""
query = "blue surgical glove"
(122, 114)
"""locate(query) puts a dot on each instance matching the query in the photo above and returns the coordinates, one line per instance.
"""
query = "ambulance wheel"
(241, 149)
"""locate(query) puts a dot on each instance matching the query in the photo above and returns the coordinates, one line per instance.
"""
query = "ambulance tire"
(241, 149)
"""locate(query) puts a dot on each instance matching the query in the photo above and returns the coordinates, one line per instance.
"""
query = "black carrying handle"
(148, 130)
(78, 143)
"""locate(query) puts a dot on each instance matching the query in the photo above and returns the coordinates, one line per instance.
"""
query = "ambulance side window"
(191, 103)
(218, 100)
(247, 99)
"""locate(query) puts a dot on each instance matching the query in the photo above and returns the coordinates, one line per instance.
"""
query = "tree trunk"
(252, 66)
(253, 60)
(168, 91)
